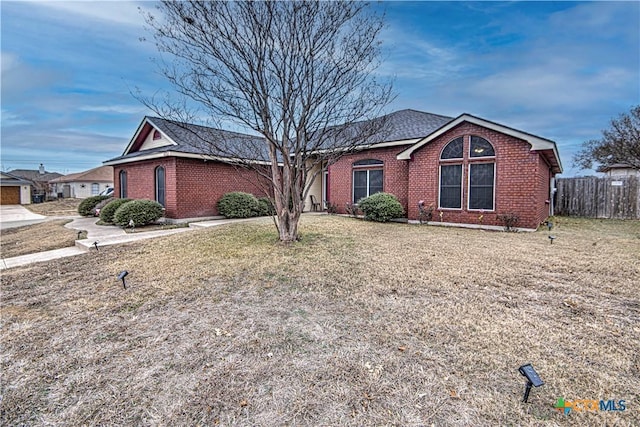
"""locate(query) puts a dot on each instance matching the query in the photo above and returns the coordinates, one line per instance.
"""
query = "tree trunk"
(288, 225)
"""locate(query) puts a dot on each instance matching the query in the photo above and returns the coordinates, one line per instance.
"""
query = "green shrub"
(89, 203)
(97, 208)
(108, 211)
(142, 212)
(238, 205)
(266, 207)
(381, 207)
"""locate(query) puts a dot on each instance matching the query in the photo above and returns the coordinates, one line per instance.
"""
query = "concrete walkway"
(106, 235)
(12, 216)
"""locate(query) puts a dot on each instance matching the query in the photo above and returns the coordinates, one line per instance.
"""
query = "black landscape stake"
(96, 245)
(121, 276)
(533, 379)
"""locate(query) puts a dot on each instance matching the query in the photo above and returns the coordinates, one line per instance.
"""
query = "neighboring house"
(14, 190)
(40, 178)
(619, 170)
(84, 184)
(162, 163)
(468, 170)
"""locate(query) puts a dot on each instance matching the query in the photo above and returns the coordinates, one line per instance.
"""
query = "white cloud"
(114, 11)
(114, 109)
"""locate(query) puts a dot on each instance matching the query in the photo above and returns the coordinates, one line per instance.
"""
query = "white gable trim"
(139, 130)
(536, 143)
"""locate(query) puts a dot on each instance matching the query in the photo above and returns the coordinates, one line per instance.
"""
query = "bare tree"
(299, 74)
(619, 144)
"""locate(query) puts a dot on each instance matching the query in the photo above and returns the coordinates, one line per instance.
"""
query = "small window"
(123, 184)
(160, 185)
(451, 186)
(156, 134)
(452, 150)
(95, 189)
(368, 162)
(480, 147)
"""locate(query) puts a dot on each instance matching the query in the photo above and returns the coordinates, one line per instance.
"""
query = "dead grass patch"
(59, 207)
(30, 239)
(357, 324)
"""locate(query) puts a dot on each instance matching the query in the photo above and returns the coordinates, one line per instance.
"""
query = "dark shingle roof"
(35, 175)
(202, 140)
(410, 124)
(194, 139)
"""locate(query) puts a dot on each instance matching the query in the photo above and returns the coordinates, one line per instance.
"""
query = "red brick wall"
(201, 184)
(519, 183)
(193, 187)
(395, 175)
(141, 181)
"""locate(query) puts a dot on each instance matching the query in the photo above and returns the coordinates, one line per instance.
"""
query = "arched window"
(453, 150)
(160, 185)
(480, 147)
(451, 175)
(123, 184)
(156, 134)
(367, 178)
(479, 166)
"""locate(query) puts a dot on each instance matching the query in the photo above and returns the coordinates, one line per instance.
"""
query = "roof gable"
(537, 143)
(99, 174)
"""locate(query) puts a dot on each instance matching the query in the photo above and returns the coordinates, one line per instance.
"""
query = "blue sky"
(560, 70)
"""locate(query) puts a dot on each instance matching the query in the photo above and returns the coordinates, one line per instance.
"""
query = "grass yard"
(30, 239)
(59, 207)
(359, 324)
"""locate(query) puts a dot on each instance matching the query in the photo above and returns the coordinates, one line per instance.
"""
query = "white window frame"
(366, 169)
(95, 188)
(469, 187)
(451, 162)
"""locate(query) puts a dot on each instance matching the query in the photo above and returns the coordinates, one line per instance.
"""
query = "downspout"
(552, 193)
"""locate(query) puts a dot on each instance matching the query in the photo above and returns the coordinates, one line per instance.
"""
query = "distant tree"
(289, 71)
(619, 144)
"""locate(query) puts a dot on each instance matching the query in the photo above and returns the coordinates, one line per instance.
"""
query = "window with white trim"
(478, 165)
(160, 185)
(368, 178)
(123, 184)
(95, 189)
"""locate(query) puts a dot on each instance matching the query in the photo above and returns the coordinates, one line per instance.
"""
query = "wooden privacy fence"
(594, 197)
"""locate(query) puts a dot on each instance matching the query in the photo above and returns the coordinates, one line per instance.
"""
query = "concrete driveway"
(16, 216)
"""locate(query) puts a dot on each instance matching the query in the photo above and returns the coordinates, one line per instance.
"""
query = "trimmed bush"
(89, 203)
(238, 205)
(142, 212)
(266, 207)
(100, 205)
(381, 207)
(108, 211)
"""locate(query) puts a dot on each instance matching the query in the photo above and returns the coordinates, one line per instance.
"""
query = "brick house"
(468, 170)
(167, 162)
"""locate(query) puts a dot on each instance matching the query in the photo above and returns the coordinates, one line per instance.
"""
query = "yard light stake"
(549, 225)
(121, 276)
(79, 234)
(551, 239)
(96, 245)
(533, 379)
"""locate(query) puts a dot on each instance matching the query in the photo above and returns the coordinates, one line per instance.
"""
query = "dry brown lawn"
(59, 207)
(30, 239)
(358, 324)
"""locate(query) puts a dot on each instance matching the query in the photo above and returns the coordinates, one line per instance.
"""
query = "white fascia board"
(164, 154)
(137, 132)
(536, 143)
(368, 147)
